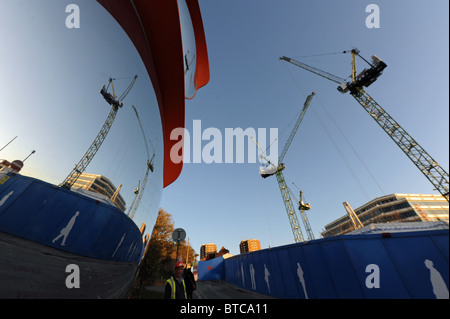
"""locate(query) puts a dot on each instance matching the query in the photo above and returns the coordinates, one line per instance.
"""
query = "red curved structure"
(154, 28)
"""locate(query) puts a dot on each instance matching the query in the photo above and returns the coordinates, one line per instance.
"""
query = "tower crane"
(150, 167)
(353, 217)
(115, 103)
(302, 207)
(424, 162)
(284, 189)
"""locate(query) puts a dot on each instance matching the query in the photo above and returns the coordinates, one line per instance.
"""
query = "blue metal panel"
(93, 228)
(405, 265)
(66, 220)
(368, 255)
(300, 273)
(442, 243)
(318, 279)
(211, 269)
(16, 212)
(410, 255)
(289, 283)
(343, 275)
(47, 220)
(275, 270)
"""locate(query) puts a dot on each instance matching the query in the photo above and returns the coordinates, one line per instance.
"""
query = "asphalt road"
(222, 290)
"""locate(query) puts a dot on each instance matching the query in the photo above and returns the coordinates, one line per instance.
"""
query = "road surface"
(219, 289)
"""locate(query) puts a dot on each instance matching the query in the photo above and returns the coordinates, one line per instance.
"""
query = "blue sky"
(52, 75)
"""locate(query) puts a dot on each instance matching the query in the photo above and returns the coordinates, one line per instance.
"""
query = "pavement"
(217, 289)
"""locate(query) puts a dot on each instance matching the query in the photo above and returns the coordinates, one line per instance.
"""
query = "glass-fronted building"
(101, 185)
(394, 208)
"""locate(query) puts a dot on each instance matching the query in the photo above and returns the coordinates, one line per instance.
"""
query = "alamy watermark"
(373, 19)
(73, 19)
(73, 279)
(227, 148)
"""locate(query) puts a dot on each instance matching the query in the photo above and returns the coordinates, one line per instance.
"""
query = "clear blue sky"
(52, 74)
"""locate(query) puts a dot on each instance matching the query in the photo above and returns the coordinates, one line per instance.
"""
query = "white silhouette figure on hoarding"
(266, 276)
(301, 279)
(252, 276)
(440, 289)
(66, 230)
(5, 198)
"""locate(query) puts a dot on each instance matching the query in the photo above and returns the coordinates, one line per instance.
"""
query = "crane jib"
(297, 124)
(426, 164)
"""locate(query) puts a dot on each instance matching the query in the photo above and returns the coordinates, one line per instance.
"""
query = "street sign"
(178, 235)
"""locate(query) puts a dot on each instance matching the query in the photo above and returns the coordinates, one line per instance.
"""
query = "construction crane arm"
(297, 124)
(416, 153)
(80, 167)
(314, 70)
(426, 164)
(125, 93)
(142, 130)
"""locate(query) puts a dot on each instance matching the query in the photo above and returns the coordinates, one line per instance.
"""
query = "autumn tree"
(185, 253)
(159, 250)
(160, 254)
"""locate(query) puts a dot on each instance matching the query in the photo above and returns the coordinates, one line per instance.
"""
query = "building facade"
(208, 251)
(101, 185)
(249, 245)
(394, 208)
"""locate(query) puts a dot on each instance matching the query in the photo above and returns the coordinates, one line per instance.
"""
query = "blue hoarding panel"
(41, 212)
(399, 265)
(317, 280)
(373, 266)
(290, 283)
(211, 269)
(345, 281)
(420, 260)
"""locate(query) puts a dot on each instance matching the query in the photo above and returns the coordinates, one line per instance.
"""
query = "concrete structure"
(394, 208)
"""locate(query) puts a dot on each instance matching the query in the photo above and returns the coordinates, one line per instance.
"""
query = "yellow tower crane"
(424, 162)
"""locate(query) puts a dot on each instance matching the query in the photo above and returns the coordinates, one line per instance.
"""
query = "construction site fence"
(411, 265)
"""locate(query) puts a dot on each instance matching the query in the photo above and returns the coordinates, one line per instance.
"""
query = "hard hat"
(179, 264)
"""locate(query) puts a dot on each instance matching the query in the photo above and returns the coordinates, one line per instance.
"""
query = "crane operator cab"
(267, 171)
(303, 206)
(110, 98)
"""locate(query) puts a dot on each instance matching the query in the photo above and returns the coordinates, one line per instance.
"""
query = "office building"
(247, 246)
(394, 208)
(208, 251)
(101, 185)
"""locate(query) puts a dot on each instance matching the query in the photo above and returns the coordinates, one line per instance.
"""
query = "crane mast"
(284, 189)
(292, 216)
(298, 235)
(438, 177)
(302, 207)
(116, 103)
(150, 167)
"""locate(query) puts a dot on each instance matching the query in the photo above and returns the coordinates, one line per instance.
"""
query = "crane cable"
(320, 54)
(351, 146)
(335, 144)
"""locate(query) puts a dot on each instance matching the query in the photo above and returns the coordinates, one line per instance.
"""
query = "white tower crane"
(116, 103)
(284, 189)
